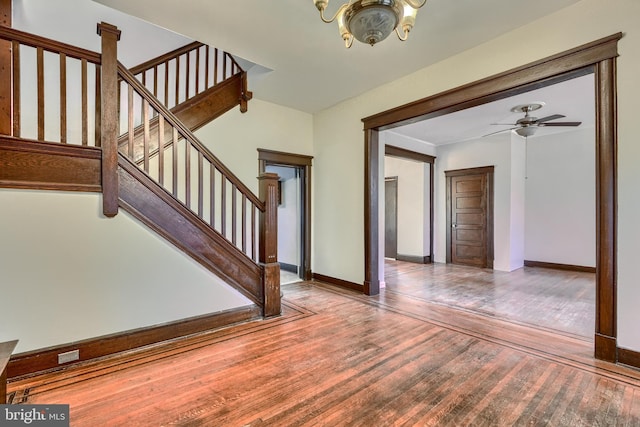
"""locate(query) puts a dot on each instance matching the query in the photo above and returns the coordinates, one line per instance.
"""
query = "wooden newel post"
(268, 255)
(246, 95)
(109, 117)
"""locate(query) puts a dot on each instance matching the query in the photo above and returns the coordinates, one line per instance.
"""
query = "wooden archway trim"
(598, 57)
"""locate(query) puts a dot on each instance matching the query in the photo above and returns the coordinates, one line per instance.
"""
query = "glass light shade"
(526, 131)
(409, 17)
(372, 23)
(321, 4)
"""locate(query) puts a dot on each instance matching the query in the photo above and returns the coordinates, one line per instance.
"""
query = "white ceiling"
(574, 99)
(304, 64)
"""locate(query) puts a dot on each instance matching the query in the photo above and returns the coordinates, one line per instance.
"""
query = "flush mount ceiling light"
(371, 21)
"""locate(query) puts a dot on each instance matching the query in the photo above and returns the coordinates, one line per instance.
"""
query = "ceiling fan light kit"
(528, 125)
(371, 21)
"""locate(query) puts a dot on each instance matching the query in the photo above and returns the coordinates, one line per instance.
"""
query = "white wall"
(338, 137)
(235, 137)
(560, 198)
(517, 202)
(70, 274)
(413, 218)
(491, 151)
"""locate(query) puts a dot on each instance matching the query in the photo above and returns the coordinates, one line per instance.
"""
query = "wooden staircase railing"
(181, 164)
(177, 170)
(180, 75)
(64, 109)
(195, 82)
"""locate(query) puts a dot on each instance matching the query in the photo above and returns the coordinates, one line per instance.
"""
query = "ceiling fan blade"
(561, 124)
(500, 131)
(553, 117)
(503, 124)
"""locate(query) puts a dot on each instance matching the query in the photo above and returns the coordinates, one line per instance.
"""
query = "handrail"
(187, 134)
(146, 66)
(50, 45)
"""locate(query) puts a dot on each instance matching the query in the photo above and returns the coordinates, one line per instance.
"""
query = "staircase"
(130, 137)
(195, 82)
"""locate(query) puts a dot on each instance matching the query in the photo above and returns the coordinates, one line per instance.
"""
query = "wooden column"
(268, 255)
(606, 201)
(109, 117)
(371, 215)
(6, 348)
(5, 72)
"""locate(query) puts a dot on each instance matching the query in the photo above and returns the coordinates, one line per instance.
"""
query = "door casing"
(391, 217)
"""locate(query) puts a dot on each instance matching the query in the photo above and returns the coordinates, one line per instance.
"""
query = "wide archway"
(598, 57)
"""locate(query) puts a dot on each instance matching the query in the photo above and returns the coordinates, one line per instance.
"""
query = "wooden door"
(470, 217)
(391, 218)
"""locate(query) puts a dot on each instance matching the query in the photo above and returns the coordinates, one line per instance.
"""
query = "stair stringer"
(143, 198)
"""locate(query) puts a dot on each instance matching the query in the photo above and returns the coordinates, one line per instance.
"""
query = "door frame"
(488, 172)
(403, 153)
(599, 58)
(395, 180)
(303, 163)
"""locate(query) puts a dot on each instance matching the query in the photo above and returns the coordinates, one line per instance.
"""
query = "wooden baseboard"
(565, 267)
(629, 357)
(288, 267)
(47, 359)
(416, 259)
(338, 282)
(605, 348)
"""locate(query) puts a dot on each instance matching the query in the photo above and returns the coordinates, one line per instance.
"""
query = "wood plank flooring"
(562, 301)
(339, 358)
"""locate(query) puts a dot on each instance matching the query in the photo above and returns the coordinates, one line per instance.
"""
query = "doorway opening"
(598, 57)
(408, 207)
(391, 217)
(294, 210)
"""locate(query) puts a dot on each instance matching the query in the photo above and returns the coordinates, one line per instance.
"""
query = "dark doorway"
(391, 217)
(470, 217)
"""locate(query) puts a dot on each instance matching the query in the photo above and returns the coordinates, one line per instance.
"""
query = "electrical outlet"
(69, 356)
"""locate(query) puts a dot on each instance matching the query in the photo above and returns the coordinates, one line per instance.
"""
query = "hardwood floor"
(562, 301)
(339, 358)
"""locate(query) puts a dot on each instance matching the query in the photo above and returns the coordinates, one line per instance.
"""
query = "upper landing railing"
(180, 75)
(63, 102)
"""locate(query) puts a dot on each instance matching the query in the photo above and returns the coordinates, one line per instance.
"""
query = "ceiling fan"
(528, 125)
